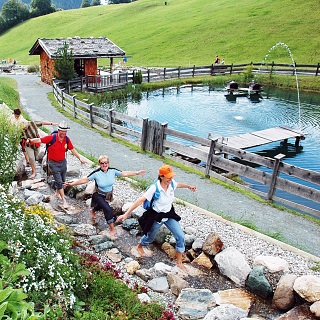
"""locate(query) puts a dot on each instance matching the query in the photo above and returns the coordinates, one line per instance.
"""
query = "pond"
(199, 110)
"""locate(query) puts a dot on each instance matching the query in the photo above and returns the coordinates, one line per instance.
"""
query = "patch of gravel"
(249, 245)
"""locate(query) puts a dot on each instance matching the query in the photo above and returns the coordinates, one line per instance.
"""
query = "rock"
(274, 268)
(130, 223)
(194, 303)
(176, 283)
(258, 283)
(212, 244)
(144, 298)
(85, 230)
(301, 312)
(132, 267)
(232, 263)
(315, 308)
(203, 260)
(103, 246)
(226, 312)
(159, 284)
(308, 287)
(96, 239)
(236, 297)
(283, 297)
(197, 245)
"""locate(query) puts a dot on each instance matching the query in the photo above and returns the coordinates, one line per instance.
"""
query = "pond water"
(199, 110)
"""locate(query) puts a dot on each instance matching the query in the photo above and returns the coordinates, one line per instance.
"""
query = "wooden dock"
(258, 138)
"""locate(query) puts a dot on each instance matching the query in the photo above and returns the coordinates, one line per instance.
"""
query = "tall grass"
(184, 32)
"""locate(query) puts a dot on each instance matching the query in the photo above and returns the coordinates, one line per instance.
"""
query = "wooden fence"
(159, 139)
(99, 83)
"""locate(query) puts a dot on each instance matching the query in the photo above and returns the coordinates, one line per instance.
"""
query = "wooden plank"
(245, 141)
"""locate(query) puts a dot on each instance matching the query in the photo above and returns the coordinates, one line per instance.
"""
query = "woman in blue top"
(104, 178)
(161, 212)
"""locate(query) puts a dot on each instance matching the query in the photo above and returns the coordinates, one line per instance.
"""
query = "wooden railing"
(158, 138)
(99, 83)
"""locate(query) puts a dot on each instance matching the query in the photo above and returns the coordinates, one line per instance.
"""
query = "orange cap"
(166, 171)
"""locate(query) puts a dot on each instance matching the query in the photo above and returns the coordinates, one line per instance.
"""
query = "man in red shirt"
(57, 157)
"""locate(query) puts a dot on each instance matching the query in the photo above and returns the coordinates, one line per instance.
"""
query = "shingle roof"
(91, 47)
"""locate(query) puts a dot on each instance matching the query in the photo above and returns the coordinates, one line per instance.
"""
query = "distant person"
(104, 178)
(217, 61)
(18, 119)
(30, 132)
(161, 212)
(56, 154)
(222, 61)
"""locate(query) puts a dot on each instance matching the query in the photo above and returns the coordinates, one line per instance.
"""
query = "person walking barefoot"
(160, 212)
(104, 178)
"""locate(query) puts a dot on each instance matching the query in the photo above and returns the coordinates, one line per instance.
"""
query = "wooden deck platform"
(258, 138)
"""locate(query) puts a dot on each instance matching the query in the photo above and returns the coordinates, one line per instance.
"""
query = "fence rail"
(158, 138)
(99, 83)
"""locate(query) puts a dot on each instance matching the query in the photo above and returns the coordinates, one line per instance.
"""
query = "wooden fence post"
(212, 67)
(179, 71)
(162, 137)
(193, 70)
(231, 68)
(91, 114)
(144, 134)
(62, 98)
(275, 174)
(209, 159)
(317, 71)
(164, 73)
(110, 121)
(148, 75)
(74, 106)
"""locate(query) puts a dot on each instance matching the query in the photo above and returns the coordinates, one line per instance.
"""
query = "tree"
(64, 64)
(41, 7)
(95, 3)
(85, 4)
(14, 12)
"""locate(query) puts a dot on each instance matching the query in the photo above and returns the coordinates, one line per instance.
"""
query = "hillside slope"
(63, 4)
(183, 32)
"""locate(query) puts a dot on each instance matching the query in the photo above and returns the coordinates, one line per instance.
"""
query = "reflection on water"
(203, 110)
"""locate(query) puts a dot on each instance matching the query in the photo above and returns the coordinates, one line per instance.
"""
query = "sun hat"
(63, 126)
(166, 171)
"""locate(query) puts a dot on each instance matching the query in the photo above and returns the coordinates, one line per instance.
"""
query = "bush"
(33, 69)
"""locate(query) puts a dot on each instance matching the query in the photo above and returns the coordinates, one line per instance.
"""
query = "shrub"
(33, 69)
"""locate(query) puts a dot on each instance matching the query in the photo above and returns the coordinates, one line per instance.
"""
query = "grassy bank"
(183, 32)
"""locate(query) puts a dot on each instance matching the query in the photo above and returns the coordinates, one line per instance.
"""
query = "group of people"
(161, 210)
(217, 60)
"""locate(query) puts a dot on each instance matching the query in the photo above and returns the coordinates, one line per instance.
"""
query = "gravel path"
(294, 230)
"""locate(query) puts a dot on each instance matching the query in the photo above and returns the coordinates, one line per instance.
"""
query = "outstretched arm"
(135, 205)
(76, 154)
(76, 182)
(184, 185)
(47, 123)
(132, 173)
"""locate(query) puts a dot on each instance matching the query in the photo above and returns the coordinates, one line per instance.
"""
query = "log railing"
(159, 138)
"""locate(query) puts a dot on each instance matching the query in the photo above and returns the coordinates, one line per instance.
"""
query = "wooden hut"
(85, 52)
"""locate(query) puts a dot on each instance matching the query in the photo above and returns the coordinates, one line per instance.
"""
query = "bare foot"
(65, 206)
(182, 267)
(57, 196)
(32, 176)
(140, 249)
(93, 213)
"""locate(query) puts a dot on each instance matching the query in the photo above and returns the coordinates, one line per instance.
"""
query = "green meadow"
(183, 32)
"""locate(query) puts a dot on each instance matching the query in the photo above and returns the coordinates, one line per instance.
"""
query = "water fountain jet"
(282, 44)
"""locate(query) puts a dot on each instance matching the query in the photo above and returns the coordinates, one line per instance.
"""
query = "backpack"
(148, 204)
(45, 164)
(53, 140)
